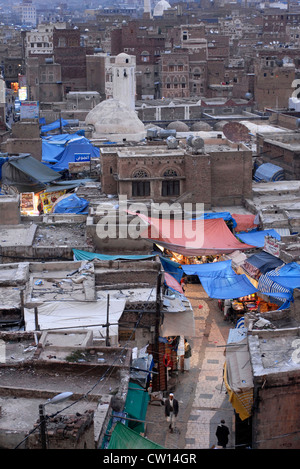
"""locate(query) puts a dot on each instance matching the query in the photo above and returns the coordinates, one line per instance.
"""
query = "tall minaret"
(124, 80)
(147, 9)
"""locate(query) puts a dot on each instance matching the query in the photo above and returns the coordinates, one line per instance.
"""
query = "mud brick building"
(68, 52)
(147, 48)
(162, 174)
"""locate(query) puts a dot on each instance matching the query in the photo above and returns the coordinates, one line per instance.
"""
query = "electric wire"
(109, 369)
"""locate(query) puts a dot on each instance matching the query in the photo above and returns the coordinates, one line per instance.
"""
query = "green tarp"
(27, 174)
(89, 256)
(124, 438)
(136, 406)
(34, 169)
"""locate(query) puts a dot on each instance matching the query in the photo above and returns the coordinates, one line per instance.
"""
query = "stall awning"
(136, 406)
(172, 268)
(193, 237)
(268, 286)
(261, 263)
(178, 318)
(244, 222)
(225, 215)
(89, 256)
(222, 285)
(27, 173)
(64, 314)
(172, 283)
(287, 276)
(238, 378)
(205, 270)
(124, 438)
(257, 238)
(75, 151)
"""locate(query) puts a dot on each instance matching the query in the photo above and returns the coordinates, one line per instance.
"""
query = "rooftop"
(274, 352)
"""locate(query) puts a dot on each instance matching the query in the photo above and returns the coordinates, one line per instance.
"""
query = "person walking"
(187, 355)
(222, 434)
(171, 411)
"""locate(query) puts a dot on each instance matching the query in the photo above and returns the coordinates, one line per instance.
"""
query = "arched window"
(170, 187)
(145, 56)
(170, 173)
(140, 173)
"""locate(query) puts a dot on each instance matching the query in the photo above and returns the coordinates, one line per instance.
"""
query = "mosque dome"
(201, 126)
(112, 118)
(178, 126)
(160, 7)
(219, 125)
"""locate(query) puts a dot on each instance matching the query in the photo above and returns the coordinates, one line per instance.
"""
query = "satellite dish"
(236, 132)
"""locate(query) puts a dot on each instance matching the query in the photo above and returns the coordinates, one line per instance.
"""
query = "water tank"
(165, 133)
(197, 143)
(172, 142)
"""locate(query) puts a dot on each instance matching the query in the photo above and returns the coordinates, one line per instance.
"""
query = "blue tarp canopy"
(264, 261)
(269, 172)
(54, 145)
(73, 152)
(225, 215)
(268, 286)
(50, 151)
(288, 276)
(206, 270)
(172, 268)
(2, 161)
(71, 204)
(54, 125)
(226, 284)
(89, 256)
(257, 238)
(220, 281)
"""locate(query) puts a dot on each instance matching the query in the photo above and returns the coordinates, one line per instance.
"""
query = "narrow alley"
(201, 393)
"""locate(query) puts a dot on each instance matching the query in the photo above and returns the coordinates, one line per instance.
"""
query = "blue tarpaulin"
(89, 256)
(257, 238)
(206, 270)
(75, 151)
(54, 125)
(288, 276)
(225, 215)
(71, 204)
(220, 281)
(54, 145)
(50, 151)
(264, 261)
(2, 161)
(268, 286)
(226, 284)
(172, 268)
(269, 172)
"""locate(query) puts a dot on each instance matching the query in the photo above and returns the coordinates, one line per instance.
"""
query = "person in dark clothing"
(222, 434)
(171, 411)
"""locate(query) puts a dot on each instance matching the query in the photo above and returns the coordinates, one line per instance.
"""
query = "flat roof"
(274, 352)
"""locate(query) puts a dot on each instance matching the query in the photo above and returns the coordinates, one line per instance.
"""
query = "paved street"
(202, 397)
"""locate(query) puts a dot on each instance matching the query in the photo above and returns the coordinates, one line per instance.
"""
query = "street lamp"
(55, 400)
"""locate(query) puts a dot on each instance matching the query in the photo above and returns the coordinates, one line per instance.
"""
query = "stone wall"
(275, 420)
(67, 432)
(10, 209)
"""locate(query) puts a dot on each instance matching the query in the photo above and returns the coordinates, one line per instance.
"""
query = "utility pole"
(107, 323)
(157, 322)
